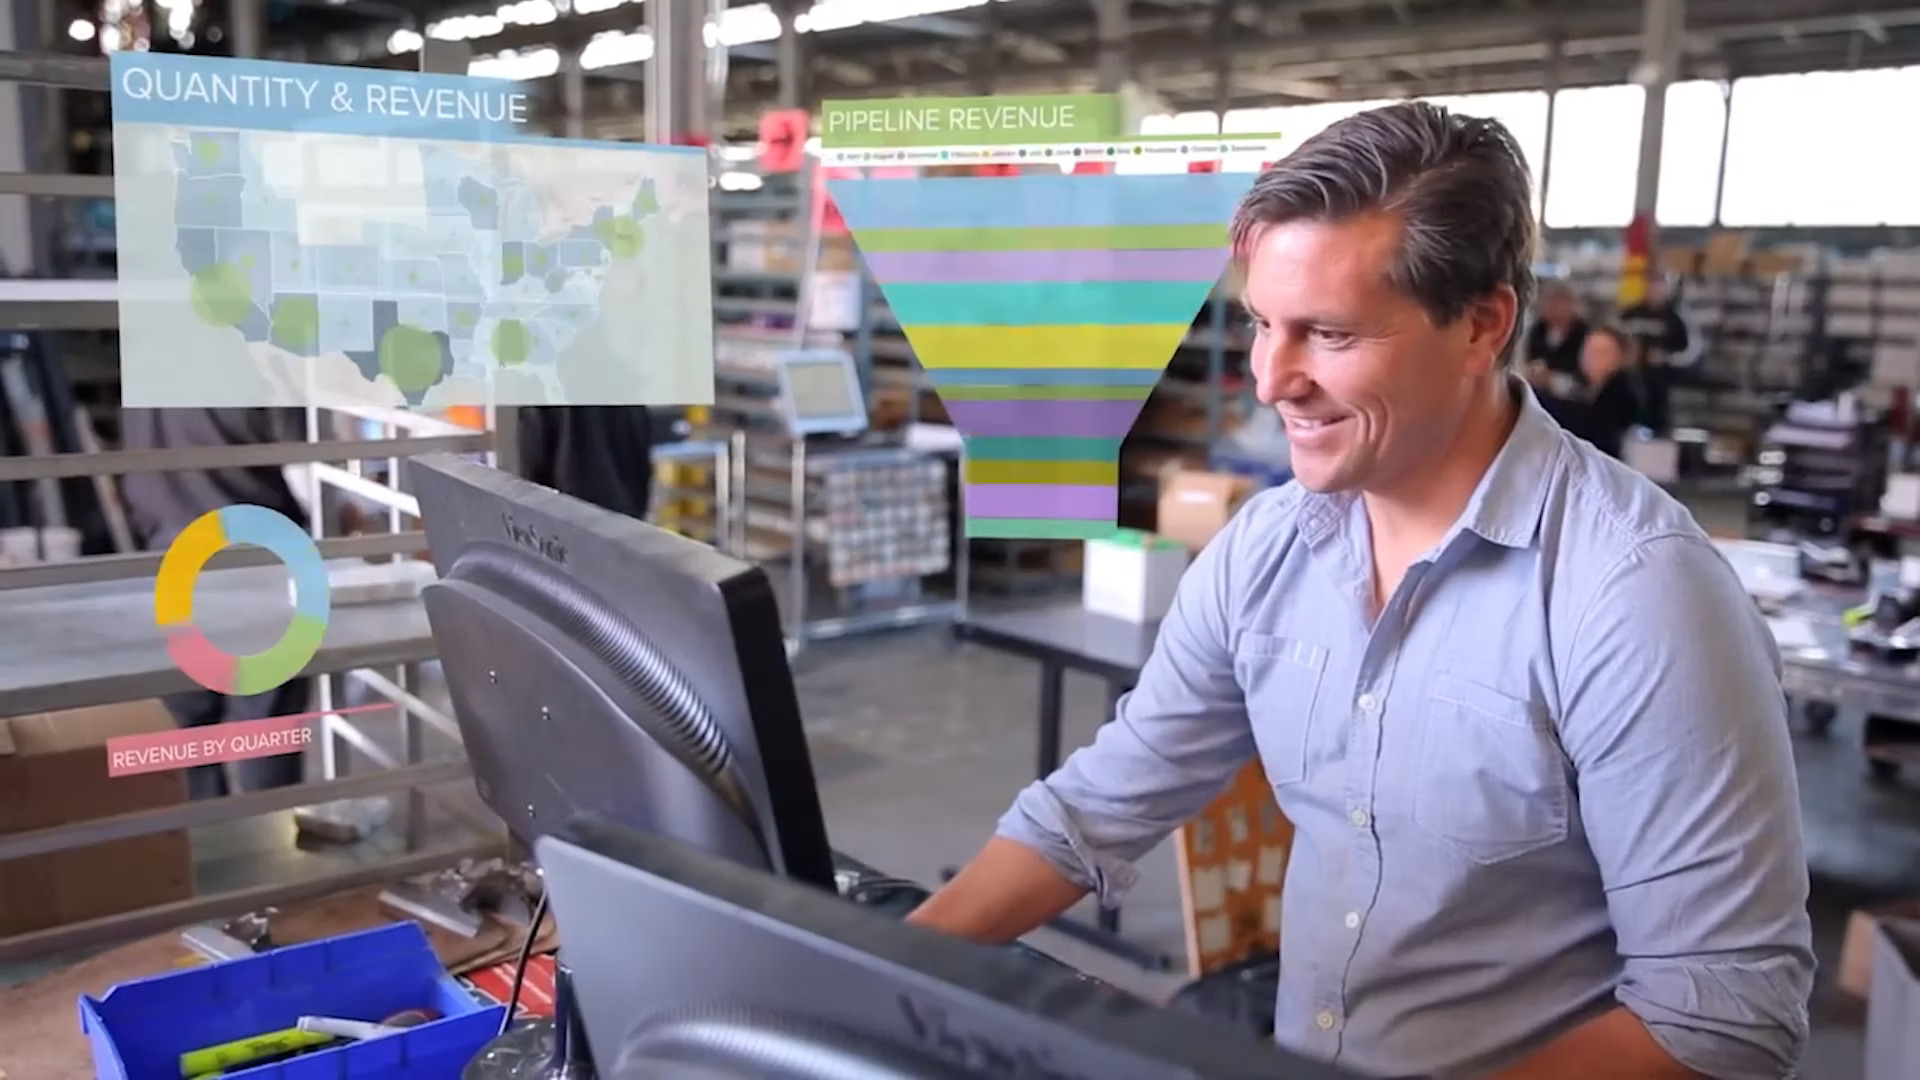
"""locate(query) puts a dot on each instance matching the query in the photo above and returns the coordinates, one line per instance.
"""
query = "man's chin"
(1322, 481)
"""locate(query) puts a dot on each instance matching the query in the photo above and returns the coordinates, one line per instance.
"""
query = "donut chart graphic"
(202, 660)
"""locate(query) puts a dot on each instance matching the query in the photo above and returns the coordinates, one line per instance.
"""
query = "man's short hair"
(1460, 185)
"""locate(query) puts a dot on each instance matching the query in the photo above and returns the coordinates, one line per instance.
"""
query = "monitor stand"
(542, 1049)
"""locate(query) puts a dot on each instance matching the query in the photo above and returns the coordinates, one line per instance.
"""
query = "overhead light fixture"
(81, 30)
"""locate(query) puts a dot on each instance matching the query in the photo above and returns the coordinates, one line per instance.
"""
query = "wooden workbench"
(40, 1036)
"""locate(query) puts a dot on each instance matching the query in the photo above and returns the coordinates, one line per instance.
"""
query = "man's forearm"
(1612, 1046)
(1007, 890)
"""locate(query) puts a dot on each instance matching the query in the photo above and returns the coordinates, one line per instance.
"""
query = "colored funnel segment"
(1044, 309)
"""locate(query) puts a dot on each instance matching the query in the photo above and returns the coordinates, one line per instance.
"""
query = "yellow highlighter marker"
(215, 1059)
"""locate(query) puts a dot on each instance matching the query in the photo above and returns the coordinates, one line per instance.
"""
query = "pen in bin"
(347, 1029)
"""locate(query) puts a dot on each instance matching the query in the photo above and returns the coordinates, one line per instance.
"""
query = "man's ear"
(1491, 321)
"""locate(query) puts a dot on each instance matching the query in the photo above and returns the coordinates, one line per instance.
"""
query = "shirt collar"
(1505, 506)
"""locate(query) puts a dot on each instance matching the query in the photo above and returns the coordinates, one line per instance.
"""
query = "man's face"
(1370, 390)
(1600, 357)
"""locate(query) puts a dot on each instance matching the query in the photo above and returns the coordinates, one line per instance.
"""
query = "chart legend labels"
(1044, 305)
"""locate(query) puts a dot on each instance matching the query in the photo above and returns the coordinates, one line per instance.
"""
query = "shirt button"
(1368, 703)
(1324, 1020)
(1360, 818)
(1353, 920)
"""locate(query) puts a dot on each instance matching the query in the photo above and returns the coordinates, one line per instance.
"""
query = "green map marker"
(221, 294)
(512, 343)
(410, 357)
(296, 322)
(622, 235)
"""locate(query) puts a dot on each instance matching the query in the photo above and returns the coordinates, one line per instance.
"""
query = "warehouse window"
(1690, 152)
(1297, 123)
(1596, 150)
(1523, 112)
(1815, 150)
(1525, 115)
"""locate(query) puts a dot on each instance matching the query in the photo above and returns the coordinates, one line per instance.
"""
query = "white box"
(1132, 575)
(1658, 459)
(1901, 498)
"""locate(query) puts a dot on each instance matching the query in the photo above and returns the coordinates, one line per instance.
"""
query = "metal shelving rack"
(379, 647)
(767, 252)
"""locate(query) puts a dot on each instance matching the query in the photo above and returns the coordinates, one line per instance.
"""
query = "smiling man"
(1527, 724)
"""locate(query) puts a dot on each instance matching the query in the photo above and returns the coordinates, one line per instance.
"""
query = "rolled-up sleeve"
(1171, 747)
(1676, 724)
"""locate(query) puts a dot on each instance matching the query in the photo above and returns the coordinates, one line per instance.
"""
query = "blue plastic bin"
(139, 1029)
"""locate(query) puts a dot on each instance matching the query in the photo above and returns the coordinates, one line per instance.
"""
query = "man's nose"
(1278, 371)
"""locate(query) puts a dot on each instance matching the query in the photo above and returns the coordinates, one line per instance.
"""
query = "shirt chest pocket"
(1492, 780)
(1280, 680)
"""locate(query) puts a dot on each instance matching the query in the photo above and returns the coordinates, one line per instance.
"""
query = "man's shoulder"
(1605, 507)
(1608, 528)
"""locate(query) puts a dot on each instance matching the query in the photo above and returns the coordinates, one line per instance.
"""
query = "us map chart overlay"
(295, 234)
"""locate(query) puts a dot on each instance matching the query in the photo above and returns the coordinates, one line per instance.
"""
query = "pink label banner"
(131, 755)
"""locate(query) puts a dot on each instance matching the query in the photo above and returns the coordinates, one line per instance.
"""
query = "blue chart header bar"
(264, 95)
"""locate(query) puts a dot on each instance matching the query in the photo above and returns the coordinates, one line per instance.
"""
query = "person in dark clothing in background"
(1555, 339)
(600, 453)
(161, 504)
(1609, 404)
(1664, 343)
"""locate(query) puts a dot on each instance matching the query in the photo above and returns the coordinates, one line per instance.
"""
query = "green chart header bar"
(971, 121)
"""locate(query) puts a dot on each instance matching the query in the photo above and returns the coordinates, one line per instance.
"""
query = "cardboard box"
(1725, 254)
(1132, 575)
(1680, 260)
(1766, 264)
(1856, 951)
(1893, 1010)
(1194, 506)
(53, 771)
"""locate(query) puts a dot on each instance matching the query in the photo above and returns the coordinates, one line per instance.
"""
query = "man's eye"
(1336, 339)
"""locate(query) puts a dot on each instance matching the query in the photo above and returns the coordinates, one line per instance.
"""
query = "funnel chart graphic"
(1044, 307)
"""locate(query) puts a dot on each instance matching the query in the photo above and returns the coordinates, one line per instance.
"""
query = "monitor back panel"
(713, 618)
(653, 927)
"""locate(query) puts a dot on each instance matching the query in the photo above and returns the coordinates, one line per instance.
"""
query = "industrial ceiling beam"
(573, 31)
(1313, 56)
(1747, 61)
(1333, 69)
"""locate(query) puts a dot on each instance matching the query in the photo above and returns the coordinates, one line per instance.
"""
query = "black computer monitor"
(603, 668)
(758, 978)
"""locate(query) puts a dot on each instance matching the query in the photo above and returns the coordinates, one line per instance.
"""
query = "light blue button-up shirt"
(1552, 776)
